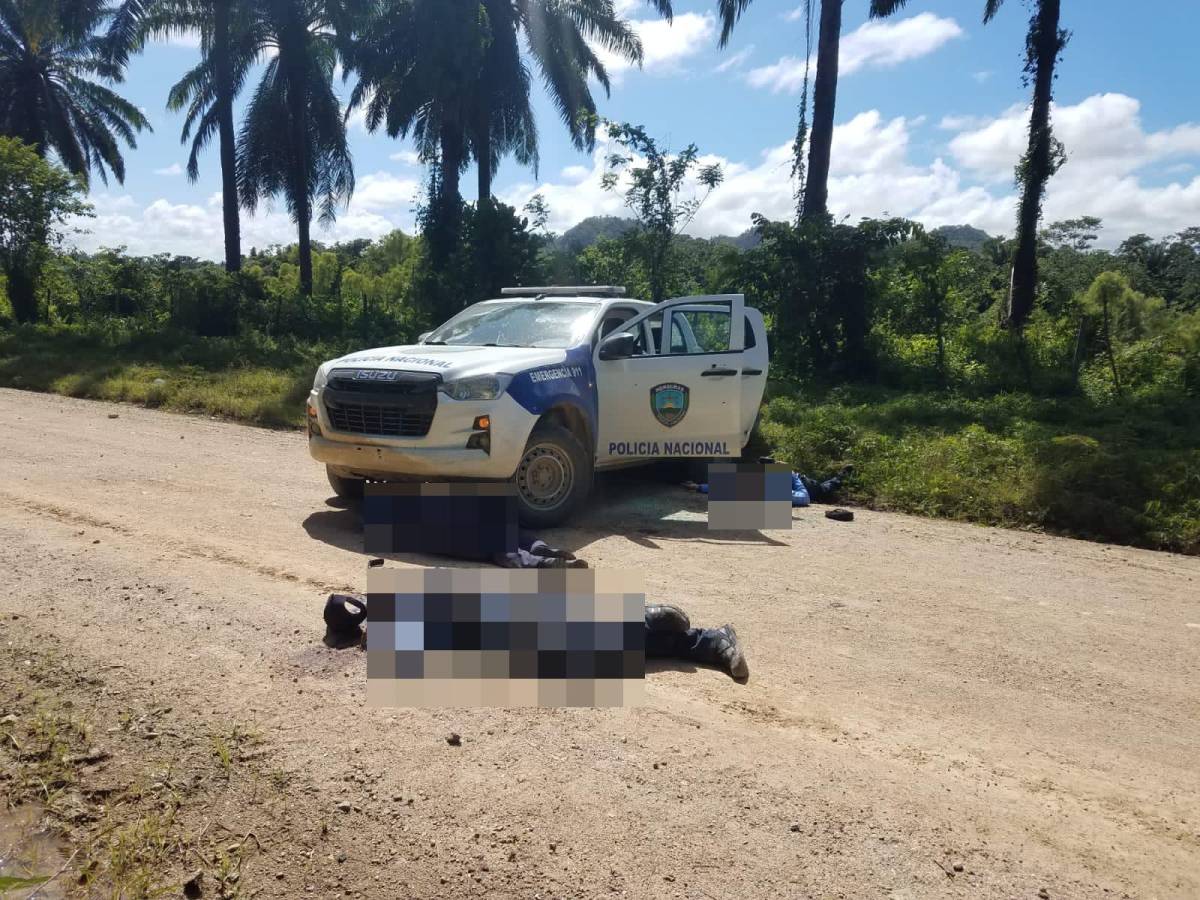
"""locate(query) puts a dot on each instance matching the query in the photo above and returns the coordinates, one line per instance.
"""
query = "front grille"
(400, 407)
(396, 384)
(391, 421)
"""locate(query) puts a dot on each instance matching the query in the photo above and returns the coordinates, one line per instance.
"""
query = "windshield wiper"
(435, 343)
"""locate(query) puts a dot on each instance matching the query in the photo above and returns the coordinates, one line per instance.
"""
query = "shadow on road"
(636, 504)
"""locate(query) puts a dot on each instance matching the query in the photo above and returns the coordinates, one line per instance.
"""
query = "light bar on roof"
(585, 290)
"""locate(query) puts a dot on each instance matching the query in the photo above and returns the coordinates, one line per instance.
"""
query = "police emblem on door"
(669, 403)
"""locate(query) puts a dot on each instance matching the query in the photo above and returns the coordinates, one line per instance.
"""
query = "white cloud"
(408, 157)
(383, 191)
(1107, 149)
(357, 119)
(981, 77)
(736, 61)
(189, 38)
(172, 169)
(1103, 135)
(381, 203)
(874, 44)
(664, 44)
(874, 174)
(961, 123)
(794, 15)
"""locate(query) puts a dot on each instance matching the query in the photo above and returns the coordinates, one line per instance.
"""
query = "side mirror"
(617, 346)
(421, 337)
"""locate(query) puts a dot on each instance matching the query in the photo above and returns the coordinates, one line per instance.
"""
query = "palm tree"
(207, 91)
(559, 36)
(1043, 156)
(815, 204)
(50, 57)
(293, 139)
(419, 65)
(462, 68)
(502, 119)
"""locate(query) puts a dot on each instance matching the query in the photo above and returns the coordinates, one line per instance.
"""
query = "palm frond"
(598, 22)
(207, 127)
(881, 9)
(126, 30)
(729, 11)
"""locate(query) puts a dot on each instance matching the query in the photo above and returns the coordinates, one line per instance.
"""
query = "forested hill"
(594, 228)
(967, 237)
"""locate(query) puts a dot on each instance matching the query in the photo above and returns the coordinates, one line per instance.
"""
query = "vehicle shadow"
(646, 508)
(341, 527)
(631, 504)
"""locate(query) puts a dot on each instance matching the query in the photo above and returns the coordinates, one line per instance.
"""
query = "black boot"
(719, 647)
(665, 617)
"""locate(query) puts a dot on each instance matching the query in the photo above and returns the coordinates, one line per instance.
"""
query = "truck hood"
(451, 362)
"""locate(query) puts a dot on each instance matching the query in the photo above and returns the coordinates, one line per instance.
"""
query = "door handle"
(751, 371)
(715, 371)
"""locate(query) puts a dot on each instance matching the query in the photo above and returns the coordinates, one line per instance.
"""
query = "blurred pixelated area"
(467, 519)
(749, 496)
(444, 637)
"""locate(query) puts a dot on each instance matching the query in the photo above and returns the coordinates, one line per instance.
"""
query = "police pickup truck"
(541, 387)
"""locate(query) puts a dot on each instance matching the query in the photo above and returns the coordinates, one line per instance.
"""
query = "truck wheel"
(345, 488)
(553, 477)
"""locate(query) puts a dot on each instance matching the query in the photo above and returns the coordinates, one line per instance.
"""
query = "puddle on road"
(28, 856)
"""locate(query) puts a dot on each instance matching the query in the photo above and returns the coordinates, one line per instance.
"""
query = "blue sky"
(930, 123)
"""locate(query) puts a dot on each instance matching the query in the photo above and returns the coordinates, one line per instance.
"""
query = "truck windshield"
(537, 323)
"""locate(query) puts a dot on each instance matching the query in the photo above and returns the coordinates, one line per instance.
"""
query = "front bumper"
(441, 452)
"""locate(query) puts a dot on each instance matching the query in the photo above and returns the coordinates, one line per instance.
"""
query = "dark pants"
(689, 645)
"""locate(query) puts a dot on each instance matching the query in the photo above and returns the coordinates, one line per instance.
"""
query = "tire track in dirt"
(922, 692)
(179, 548)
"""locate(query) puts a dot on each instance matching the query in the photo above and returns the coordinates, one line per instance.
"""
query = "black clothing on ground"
(534, 553)
(669, 635)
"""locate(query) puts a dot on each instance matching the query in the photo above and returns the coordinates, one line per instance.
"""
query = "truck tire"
(553, 477)
(345, 488)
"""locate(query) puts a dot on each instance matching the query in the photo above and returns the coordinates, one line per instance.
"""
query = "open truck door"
(670, 382)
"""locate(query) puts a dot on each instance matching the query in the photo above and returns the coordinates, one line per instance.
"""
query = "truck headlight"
(482, 387)
(320, 378)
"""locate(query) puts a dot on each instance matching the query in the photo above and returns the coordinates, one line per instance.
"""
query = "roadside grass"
(138, 823)
(251, 379)
(1123, 473)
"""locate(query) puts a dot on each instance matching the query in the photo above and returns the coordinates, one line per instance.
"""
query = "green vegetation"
(36, 199)
(251, 379)
(1035, 382)
(1125, 472)
(1083, 424)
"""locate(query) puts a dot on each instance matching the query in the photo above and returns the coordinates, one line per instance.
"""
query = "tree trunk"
(816, 189)
(452, 157)
(21, 292)
(305, 248)
(1108, 346)
(1080, 345)
(300, 189)
(227, 137)
(444, 233)
(293, 51)
(1045, 43)
(483, 152)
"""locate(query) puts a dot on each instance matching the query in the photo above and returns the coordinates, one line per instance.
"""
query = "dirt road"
(935, 710)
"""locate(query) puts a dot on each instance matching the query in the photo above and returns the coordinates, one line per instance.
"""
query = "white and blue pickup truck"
(541, 387)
